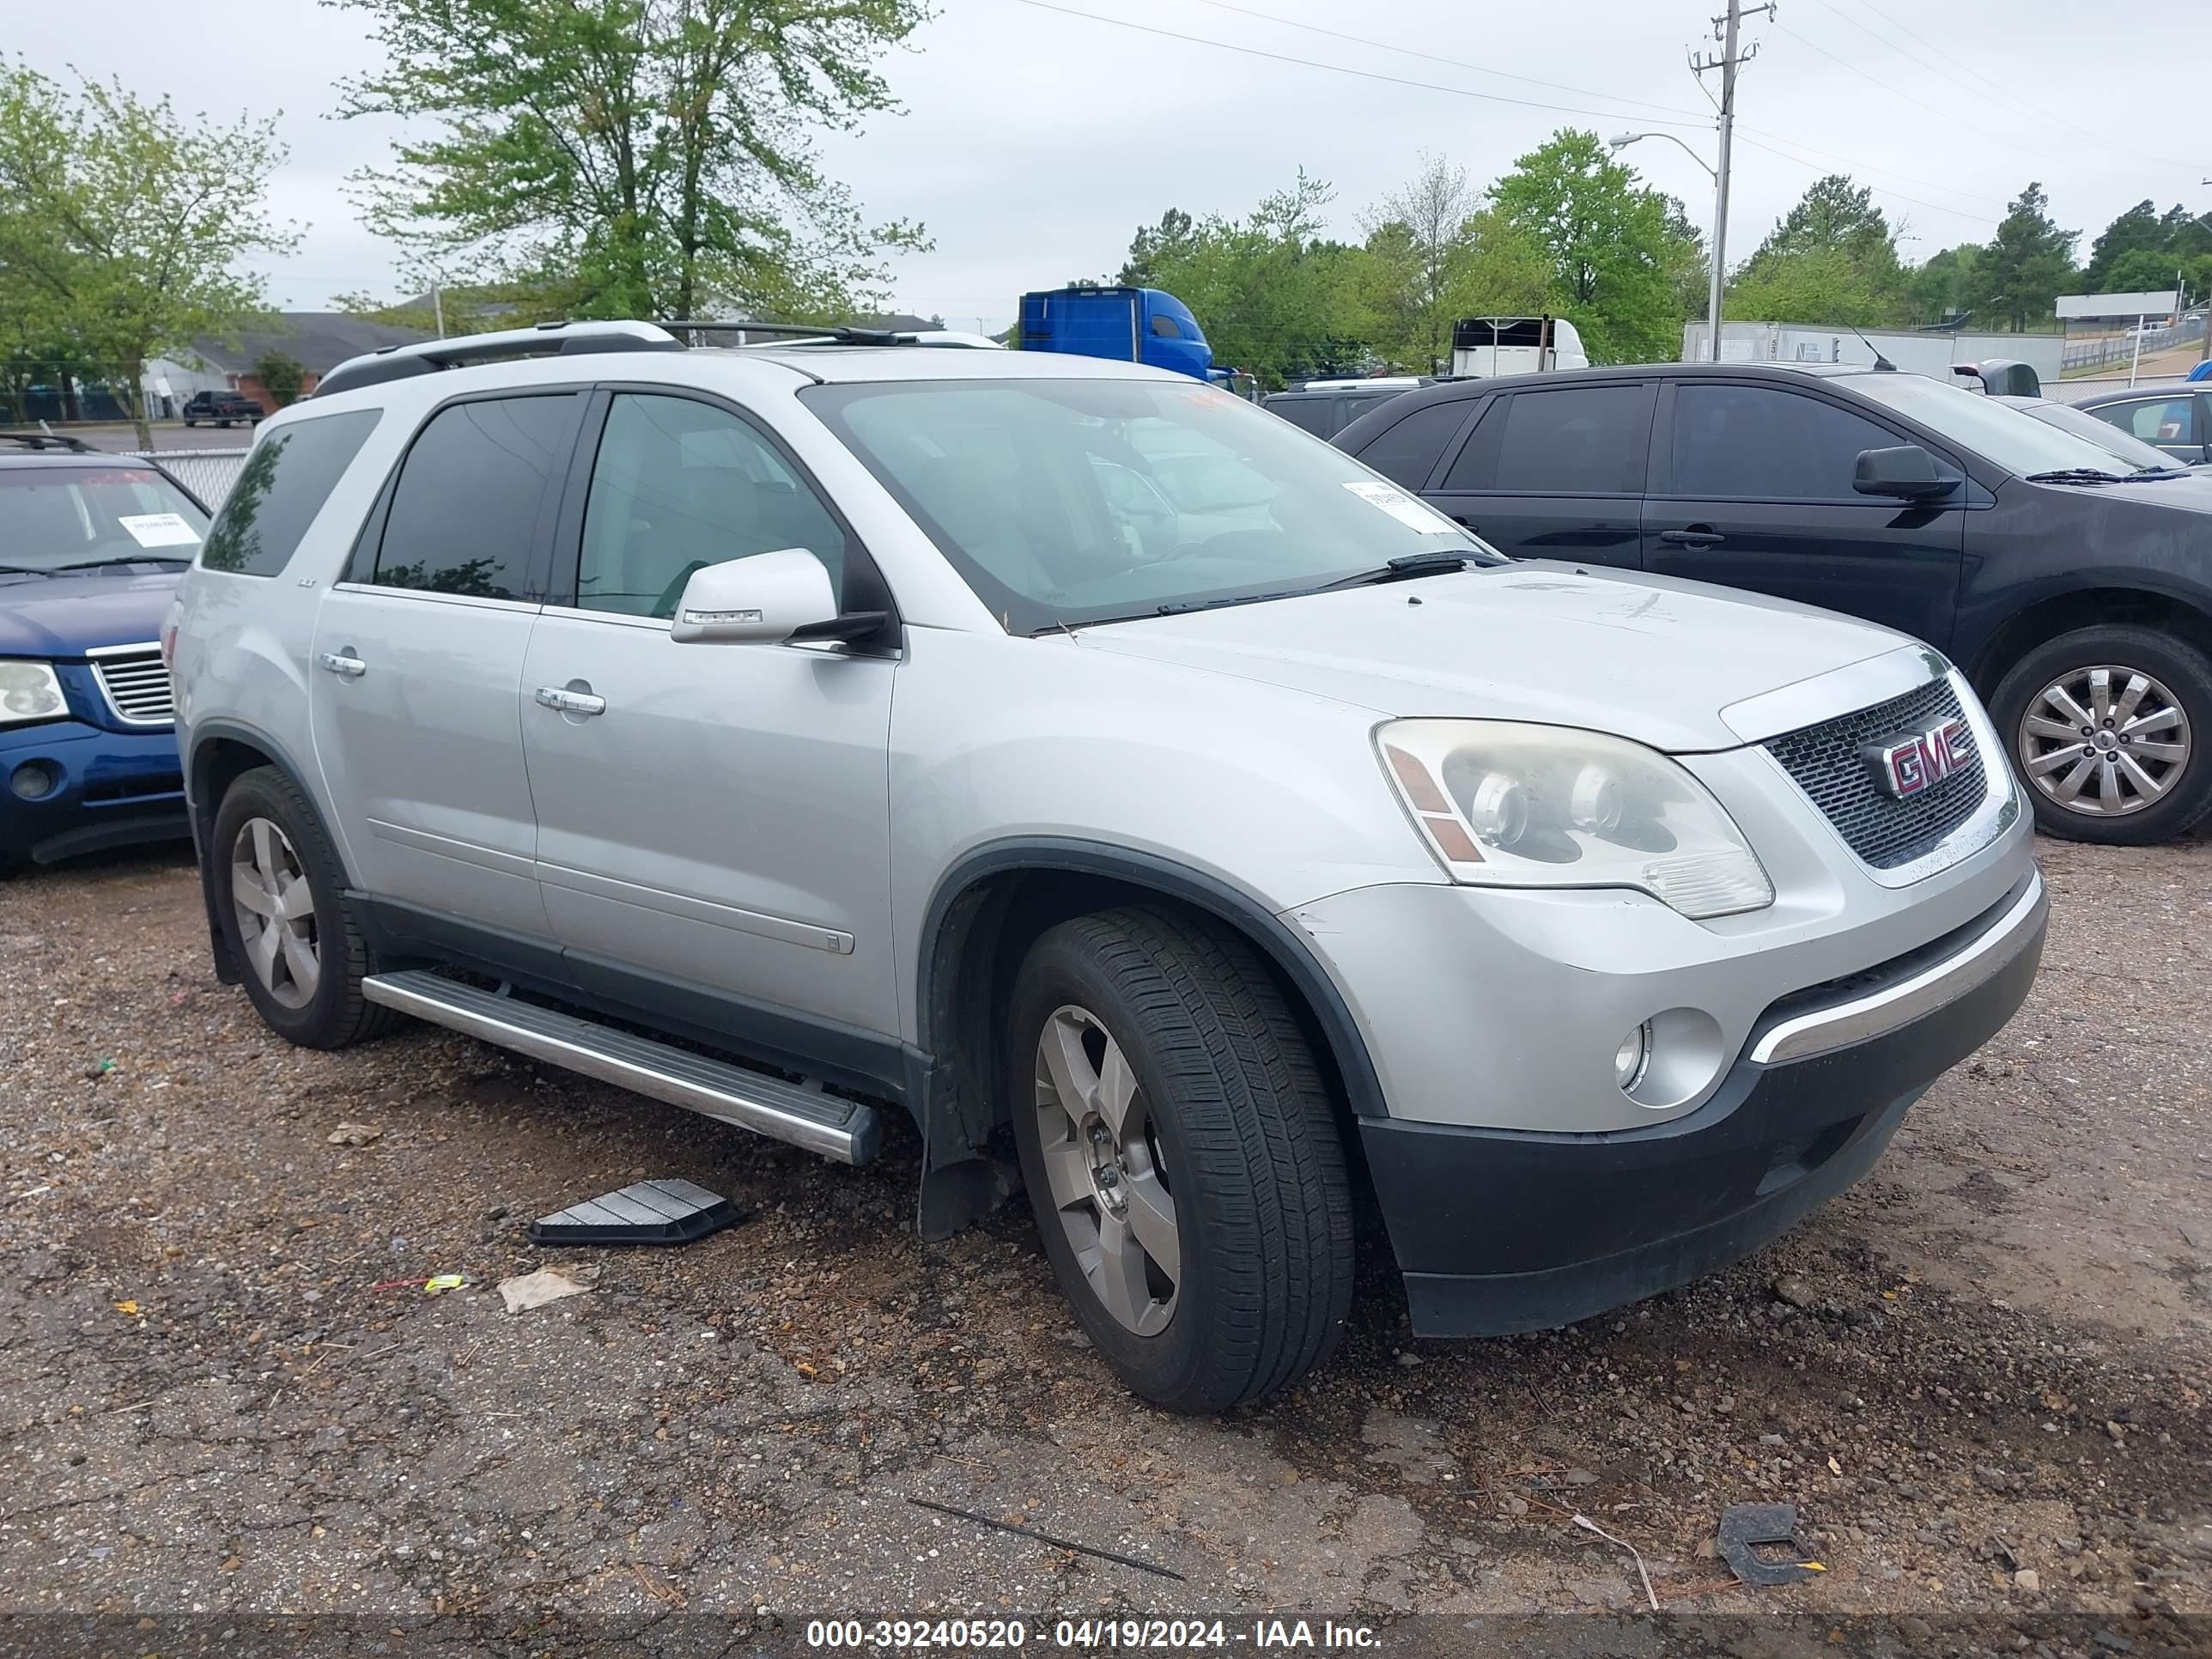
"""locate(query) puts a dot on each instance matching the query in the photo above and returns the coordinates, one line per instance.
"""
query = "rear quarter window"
(283, 486)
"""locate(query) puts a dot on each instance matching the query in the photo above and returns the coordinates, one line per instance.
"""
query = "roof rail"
(836, 333)
(400, 363)
(47, 440)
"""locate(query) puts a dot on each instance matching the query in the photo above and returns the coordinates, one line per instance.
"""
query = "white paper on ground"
(530, 1290)
(159, 530)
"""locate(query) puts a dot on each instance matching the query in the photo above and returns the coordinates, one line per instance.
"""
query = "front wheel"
(281, 904)
(1181, 1157)
(2104, 725)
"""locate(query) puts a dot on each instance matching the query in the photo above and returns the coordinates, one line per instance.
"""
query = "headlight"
(29, 691)
(1508, 804)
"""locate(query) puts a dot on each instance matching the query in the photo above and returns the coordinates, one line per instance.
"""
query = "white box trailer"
(1485, 346)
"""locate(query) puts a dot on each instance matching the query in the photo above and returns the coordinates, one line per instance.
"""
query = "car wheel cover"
(1107, 1181)
(275, 905)
(2105, 741)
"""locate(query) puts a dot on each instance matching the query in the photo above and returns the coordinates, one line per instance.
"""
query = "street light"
(1720, 231)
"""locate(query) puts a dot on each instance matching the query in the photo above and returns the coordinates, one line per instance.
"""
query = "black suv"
(222, 408)
(2074, 587)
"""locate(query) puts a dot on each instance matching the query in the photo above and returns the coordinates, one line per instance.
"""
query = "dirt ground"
(1982, 1375)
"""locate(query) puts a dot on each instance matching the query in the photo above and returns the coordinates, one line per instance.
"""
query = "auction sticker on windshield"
(159, 530)
(1407, 510)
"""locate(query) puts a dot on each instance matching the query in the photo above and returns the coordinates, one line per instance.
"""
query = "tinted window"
(281, 488)
(1409, 451)
(2162, 421)
(463, 515)
(1314, 415)
(1768, 445)
(1579, 439)
(1165, 326)
(678, 485)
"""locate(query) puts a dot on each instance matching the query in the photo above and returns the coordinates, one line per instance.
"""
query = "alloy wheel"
(1110, 1183)
(276, 910)
(2105, 741)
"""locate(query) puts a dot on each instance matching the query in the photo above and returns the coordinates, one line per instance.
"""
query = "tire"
(1225, 1117)
(2055, 686)
(264, 826)
(191, 422)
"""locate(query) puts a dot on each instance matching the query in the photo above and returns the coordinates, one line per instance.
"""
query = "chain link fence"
(2119, 348)
(208, 473)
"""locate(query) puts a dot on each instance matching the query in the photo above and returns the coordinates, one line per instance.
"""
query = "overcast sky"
(1034, 141)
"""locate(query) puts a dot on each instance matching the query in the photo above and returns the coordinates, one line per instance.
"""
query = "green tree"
(1607, 240)
(1416, 241)
(1832, 258)
(660, 153)
(2027, 265)
(1157, 246)
(120, 220)
(281, 375)
(2138, 228)
(1944, 285)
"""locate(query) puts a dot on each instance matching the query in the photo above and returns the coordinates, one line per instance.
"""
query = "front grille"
(136, 684)
(1884, 831)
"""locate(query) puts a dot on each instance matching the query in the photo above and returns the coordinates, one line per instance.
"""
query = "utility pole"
(1726, 30)
(438, 307)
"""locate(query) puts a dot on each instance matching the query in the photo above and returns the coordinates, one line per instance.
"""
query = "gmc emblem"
(1906, 765)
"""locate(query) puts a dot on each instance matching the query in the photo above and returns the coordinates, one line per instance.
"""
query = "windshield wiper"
(26, 570)
(2076, 475)
(1405, 568)
(126, 558)
(1181, 606)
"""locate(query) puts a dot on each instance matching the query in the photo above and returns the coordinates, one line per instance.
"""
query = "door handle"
(1465, 524)
(342, 663)
(1691, 538)
(571, 703)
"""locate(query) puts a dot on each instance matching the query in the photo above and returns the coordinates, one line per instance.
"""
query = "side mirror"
(1906, 473)
(766, 599)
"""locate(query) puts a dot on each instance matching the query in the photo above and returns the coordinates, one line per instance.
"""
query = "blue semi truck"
(1132, 324)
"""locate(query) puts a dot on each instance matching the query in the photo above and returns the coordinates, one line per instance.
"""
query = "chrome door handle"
(337, 662)
(571, 703)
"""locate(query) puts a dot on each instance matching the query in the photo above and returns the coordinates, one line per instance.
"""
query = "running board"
(842, 1129)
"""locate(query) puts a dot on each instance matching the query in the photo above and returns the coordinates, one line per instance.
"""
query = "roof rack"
(47, 440)
(836, 333)
(400, 363)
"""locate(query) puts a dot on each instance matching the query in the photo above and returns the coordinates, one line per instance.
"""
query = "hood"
(67, 615)
(1648, 658)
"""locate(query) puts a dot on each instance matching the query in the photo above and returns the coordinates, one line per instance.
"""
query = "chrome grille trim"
(136, 683)
(1968, 822)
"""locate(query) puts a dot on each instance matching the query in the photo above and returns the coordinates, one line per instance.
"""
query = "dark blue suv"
(91, 549)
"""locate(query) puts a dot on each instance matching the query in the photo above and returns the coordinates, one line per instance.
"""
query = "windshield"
(2132, 450)
(2015, 441)
(53, 517)
(1069, 501)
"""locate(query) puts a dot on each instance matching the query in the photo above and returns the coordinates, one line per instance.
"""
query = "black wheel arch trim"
(1273, 937)
(204, 735)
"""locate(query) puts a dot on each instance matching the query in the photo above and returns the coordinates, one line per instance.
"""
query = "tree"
(658, 155)
(1156, 246)
(120, 222)
(1608, 243)
(2027, 265)
(2138, 228)
(1944, 285)
(1417, 236)
(280, 377)
(1832, 258)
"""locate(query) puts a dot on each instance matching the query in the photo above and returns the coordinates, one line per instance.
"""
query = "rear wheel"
(1182, 1158)
(2105, 726)
(281, 903)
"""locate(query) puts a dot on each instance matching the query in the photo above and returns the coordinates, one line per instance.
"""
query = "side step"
(842, 1129)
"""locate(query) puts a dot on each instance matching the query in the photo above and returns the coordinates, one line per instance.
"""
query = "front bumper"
(110, 789)
(1505, 1230)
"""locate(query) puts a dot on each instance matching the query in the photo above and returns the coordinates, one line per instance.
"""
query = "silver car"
(1064, 749)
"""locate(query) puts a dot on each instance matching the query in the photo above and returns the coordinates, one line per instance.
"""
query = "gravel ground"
(1982, 1375)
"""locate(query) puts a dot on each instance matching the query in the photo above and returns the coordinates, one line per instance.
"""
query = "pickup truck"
(222, 408)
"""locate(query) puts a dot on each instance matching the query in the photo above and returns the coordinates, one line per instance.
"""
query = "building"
(319, 341)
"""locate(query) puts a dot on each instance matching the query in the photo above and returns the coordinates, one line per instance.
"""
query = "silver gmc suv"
(794, 732)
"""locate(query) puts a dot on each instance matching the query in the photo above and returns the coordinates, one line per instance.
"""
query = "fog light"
(1632, 1056)
(32, 781)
